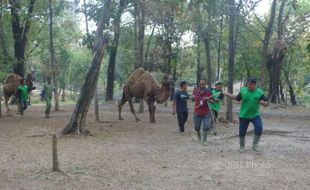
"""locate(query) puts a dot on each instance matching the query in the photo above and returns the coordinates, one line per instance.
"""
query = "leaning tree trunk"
(77, 121)
(97, 118)
(52, 51)
(20, 34)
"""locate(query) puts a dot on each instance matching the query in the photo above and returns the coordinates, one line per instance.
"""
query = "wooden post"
(54, 152)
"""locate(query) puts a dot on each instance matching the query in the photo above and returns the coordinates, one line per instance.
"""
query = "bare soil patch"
(139, 155)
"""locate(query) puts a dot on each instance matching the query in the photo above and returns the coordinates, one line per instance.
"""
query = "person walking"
(179, 106)
(202, 112)
(22, 94)
(252, 97)
(216, 105)
(46, 95)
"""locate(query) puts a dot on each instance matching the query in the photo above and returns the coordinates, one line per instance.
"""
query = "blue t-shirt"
(181, 98)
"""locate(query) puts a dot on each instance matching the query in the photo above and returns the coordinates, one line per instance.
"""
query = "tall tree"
(234, 10)
(113, 49)
(288, 29)
(20, 30)
(139, 27)
(219, 47)
(52, 51)
(78, 119)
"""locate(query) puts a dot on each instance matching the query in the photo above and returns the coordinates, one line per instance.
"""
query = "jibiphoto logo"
(250, 164)
(239, 165)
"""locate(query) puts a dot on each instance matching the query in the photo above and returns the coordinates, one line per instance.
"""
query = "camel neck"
(162, 93)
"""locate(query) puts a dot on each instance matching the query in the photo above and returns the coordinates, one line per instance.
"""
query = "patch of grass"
(76, 170)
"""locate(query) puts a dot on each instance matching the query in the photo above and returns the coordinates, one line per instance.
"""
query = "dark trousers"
(22, 106)
(244, 123)
(182, 118)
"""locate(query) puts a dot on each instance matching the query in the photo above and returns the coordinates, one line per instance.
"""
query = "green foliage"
(172, 19)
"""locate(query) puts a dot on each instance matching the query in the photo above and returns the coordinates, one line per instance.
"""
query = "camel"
(11, 84)
(141, 84)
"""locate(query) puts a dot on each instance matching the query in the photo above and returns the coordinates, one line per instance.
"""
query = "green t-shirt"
(47, 88)
(217, 96)
(22, 91)
(249, 108)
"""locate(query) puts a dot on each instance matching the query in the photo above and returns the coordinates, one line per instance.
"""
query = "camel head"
(29, 81)
(167, 80)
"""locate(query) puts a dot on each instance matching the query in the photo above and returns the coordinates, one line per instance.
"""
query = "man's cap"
(218, 83)
(252, 79)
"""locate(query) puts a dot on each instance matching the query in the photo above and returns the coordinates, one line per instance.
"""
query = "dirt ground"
(139, 155)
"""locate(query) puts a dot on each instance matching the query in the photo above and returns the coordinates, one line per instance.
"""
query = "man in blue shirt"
(180, 105)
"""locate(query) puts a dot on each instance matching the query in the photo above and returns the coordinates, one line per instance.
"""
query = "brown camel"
(141, 84)
(11, 84)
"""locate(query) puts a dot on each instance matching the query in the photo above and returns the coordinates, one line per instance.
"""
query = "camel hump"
(12, 78)
(135, 75)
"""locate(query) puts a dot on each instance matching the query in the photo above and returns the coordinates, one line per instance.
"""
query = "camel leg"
(153, 113)
(120, 106)
(6, 99)
(152, 109)
(132, 109)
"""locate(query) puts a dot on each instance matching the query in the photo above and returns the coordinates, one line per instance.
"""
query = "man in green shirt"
(22, 94)
(251, 97)
(46, 95)
(216, 105)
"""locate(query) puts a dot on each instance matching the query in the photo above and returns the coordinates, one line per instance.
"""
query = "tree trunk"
(266, 42)
(219, 49)
(52, 51)
(275, 59)
(232, 42)
(146, 55)
(63, 93)
(113, 52)
(92, 50)
(289, 84)
(281, 85)
(292, 94)
(198, 72)
(3, 41)
(139, 17)
(206, 41)
(20, 34)
(97, 118)
(77, 121)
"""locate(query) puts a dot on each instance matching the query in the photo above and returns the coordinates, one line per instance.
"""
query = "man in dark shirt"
(180, 105)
